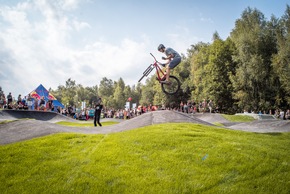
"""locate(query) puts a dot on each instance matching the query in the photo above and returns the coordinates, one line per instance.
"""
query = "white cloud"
(80, 25)
(35, 40)
(209, 20)
(69, 4)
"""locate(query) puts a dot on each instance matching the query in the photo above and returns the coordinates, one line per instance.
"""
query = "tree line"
(250, 70)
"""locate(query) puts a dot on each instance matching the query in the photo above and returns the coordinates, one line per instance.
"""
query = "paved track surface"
(37, 115)
(43, 123)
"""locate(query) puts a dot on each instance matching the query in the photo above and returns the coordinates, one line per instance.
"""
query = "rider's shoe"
(162, 79)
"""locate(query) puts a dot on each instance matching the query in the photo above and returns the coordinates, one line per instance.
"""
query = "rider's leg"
(173, 63)
(166, 81)
(167, 73)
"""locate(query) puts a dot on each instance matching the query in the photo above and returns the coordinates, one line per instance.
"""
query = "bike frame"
(161, 75)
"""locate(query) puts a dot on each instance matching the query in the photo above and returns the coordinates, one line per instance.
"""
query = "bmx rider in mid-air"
(173, 60)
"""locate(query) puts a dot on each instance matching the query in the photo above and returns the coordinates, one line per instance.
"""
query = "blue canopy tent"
(41, 91)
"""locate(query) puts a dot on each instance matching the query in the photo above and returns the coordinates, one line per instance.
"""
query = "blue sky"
(47, 42)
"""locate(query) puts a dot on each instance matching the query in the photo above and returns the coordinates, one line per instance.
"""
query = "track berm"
(30, 124)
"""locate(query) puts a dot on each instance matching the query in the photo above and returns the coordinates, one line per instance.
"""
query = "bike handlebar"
(153, 57)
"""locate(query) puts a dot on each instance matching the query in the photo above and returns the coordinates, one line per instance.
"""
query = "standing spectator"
(29, 102)
(9, 98)
(181, 106)
(204, 106)
(24, 103)
(42, 103)
(49, 105)
(52, 107)
(287, 115)
(200, 107)
(87, 114)
(2, 98)
(185, 107)
(98, 110)
(83, 113)
(1, 92)
(19, 102)
(189, 104)
(64, 112)
(36, 104)
(210, 105)
(2, 101)
(19, 99)
(125, 113)
(282, 114)
(194, 106)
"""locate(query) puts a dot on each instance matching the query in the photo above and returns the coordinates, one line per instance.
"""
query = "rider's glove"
(163, 58)
(163, 64)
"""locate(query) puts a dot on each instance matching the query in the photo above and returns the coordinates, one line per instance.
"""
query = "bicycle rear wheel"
(171, 88)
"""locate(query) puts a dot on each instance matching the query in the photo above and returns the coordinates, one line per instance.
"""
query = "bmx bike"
(170, 88)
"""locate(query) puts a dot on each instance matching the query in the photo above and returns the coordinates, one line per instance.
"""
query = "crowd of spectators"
(26, 103)
(88, 113)
(192, 107)
(189, 107)
(208, 106)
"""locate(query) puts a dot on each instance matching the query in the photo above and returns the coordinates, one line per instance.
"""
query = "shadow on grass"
(270, 134)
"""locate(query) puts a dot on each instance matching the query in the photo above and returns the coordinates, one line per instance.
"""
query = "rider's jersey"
(169, 51)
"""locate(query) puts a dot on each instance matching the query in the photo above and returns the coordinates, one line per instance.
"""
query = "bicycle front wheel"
(172, 87)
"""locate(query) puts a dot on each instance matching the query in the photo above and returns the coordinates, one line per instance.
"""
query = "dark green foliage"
(281, 62)
(250, 70)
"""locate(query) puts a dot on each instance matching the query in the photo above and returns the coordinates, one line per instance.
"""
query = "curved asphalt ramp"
(43, 123)
(212, 118)
(264, 126)
(30, 114)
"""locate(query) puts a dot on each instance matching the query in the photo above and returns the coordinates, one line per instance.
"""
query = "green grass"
(238, 118)
(7, 121)
(235, 118)
(218, 124)
(85, 123)
(165, 158)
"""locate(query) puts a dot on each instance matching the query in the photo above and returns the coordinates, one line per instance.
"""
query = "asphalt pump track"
(24, 125)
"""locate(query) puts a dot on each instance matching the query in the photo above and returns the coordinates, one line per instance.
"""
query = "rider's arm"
(166, 63)
(170, 56)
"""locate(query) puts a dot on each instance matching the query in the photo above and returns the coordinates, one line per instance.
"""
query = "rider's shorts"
(174, 62)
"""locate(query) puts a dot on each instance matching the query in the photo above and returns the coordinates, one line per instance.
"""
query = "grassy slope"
(165, 158)
(85, 123)
(238, 118)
